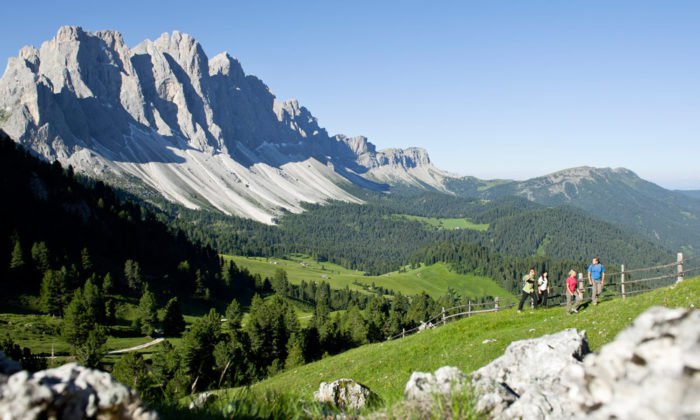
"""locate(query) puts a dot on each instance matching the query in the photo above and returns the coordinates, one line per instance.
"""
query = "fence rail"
(625, 285)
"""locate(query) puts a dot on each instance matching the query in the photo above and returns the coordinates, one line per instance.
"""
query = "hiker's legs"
(594, 295)
(523, 297)
(568, 302)
(596, 290)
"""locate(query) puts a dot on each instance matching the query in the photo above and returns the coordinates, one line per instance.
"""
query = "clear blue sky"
(494, 89)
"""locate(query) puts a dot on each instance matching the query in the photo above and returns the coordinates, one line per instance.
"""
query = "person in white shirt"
(543, 289)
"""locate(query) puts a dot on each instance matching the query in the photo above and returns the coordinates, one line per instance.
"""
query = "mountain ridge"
(164, 118)
(200, 131)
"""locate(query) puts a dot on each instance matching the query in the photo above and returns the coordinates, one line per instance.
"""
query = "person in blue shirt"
(596, 278)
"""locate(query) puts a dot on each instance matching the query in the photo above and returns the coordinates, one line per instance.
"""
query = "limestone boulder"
(651, 370)
(346, 394)
(68, 392)
(532, 378)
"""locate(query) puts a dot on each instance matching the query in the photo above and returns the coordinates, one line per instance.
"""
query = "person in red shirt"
(571, 291)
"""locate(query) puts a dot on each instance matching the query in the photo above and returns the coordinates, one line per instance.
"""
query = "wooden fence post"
(622, 280)
(581, 286)
(403, 332)
(496, 304)
(469, 307)
(443, 316)
(679, 258)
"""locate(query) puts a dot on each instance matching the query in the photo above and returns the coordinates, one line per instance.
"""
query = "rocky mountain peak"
(144, 113)
(226, 65)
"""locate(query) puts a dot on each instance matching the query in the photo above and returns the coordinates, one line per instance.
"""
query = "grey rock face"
(650, 371)
(528, 380)
(425, 387)
(345, 394)
(196, 130)
(68, 392)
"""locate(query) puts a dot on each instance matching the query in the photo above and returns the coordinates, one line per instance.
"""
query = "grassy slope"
(386, 367)
(434, 279)
(447, 223)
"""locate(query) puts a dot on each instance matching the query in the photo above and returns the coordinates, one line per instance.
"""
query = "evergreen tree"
(295, 352)
(95, 301)
(40, 256)
(148, 312)
(90, 352)
(133, 276)
(280, 282)
(85, 260)
(173, 321)
(78, 320)
(17, 257)
(232, 360)
(132, 370)
(269, 327)
(52, 295)
(198, 349)
(234, 315)
(170, 373)
(107, 284)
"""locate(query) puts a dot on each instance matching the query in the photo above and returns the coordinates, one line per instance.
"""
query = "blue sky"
(494, 89)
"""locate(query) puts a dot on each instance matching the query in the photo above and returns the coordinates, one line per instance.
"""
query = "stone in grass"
(651, 370)
(425, 387)
(346, 394)
(528, 381)
(68, 392)
(202, 400)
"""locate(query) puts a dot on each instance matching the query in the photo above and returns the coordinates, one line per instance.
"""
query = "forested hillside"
(371, 238)
(64, 230)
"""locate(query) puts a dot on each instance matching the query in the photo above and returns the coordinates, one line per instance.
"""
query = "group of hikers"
(537, 290)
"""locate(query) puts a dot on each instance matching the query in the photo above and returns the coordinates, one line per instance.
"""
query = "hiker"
(543, 288)
(572, 290)
(528, 290)
(596, 278)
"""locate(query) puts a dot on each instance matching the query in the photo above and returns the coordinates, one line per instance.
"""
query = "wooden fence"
(618, 284)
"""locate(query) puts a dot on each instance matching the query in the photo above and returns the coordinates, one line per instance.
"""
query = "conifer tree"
(77, 320)
(173, 321)
(148, 312)
(16, 258)
(52, 292)
(90, 352)
(40, 256)
(132, 275)
(234, 315)
(198, 348)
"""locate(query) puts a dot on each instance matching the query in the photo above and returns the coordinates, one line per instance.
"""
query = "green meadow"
(434, 279)
(446, 223)
(385, 367)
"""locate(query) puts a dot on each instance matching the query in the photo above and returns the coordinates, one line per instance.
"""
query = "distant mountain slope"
(615, 195)
(199, 131)
(690, 193)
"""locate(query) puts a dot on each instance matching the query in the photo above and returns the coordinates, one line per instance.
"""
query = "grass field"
(445, 223)
(434, 279)
(385, 367)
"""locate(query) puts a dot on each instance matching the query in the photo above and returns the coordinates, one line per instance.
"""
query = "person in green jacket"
(528, 289)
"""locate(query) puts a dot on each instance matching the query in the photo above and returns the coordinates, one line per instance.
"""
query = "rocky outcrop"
(424, 386)
(346, 394)
(68, 392)
(650, 371)
(527, 381)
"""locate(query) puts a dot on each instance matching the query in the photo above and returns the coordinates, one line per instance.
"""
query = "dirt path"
(142, 346)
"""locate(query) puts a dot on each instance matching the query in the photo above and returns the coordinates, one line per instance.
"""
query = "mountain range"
(162, 118)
